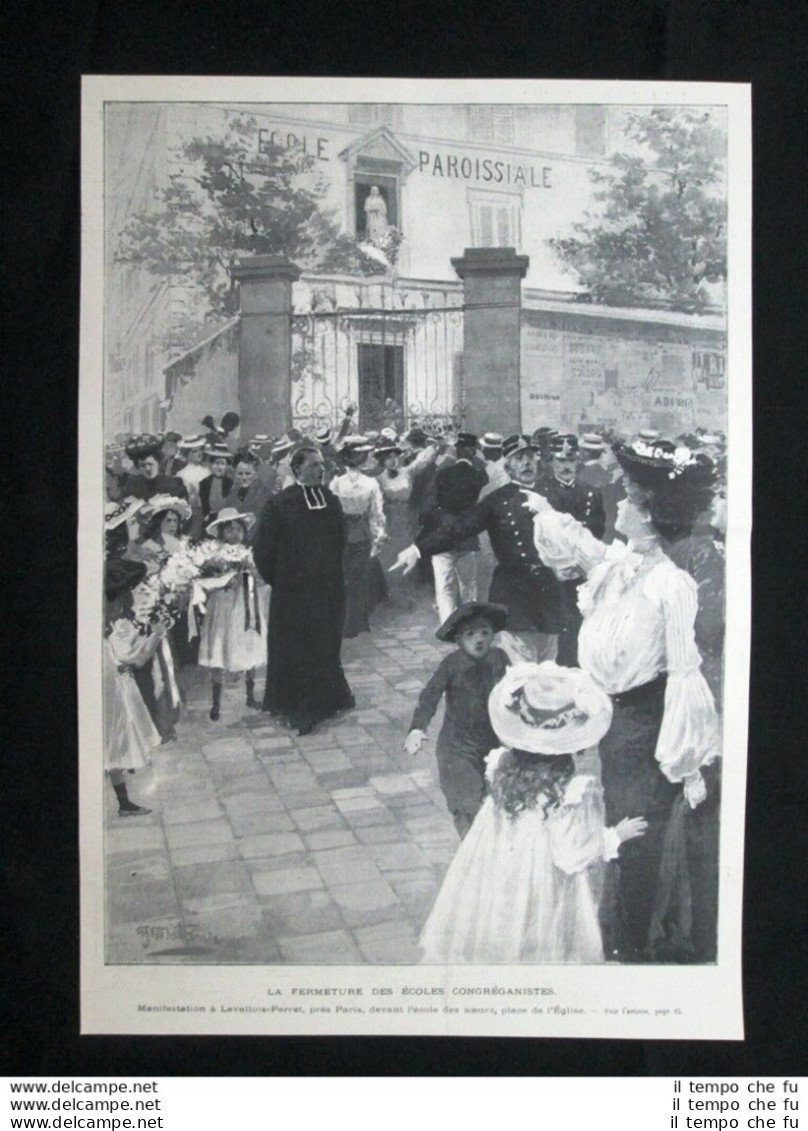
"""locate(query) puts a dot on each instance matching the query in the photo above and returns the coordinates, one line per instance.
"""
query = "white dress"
(525, 888)
(234, 631)
(129, 733)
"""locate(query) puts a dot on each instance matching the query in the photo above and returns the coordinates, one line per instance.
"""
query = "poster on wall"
(355, 685)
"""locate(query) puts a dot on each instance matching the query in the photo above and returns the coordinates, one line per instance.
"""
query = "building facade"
(449, 177)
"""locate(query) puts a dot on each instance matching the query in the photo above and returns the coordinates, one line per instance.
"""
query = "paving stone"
(271, 740)
(269, 844)
(256, 864)
(361, 818)
(198, 881)
(395, 857)
(141, 901)
(389, 952)
(306, 799)
(392, 783)
(330, 838)
(228, 749)
(135, 942)
(198, 832)
(134, 836)
(342, 779)
(327, 761)
(320, 817)
(263, 801)
(301, 914)
(278, 881)
(380, 834)
(358, 803)
(257, 824)
(377, 895)
(329, 947)
(346, 865)
(354, 737)
(204, 853)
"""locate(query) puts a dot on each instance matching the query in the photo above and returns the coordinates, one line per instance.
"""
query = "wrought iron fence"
(399, 363)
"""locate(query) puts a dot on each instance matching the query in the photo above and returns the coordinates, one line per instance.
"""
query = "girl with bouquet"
(129, 732)
(236, 604)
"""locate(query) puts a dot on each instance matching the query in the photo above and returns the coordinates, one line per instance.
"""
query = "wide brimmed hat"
(564, 445)
(389, 435)
(230, 421)
(143, 446)
(229, 514)
(492, 440)
(218, 451)
(467, 440)
(648, 435)
(416, 436)
(591, 442)
(387, 449)
(324, 435)
(514, 445)
(160, 504)
(260, 438)
(115, 514)
(662, 464)
(191, 443)
(121, 575)
(496, 614)
(547, 709)
(357, 444)
(283, 446)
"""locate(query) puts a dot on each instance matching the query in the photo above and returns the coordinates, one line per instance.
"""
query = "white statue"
(375, 217)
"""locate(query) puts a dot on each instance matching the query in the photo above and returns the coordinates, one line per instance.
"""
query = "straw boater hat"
(492, 442)
(496, 614)
(191, 443)
(591, 443)
(389, 435)
(160, 504)
(324, 435)
(117, 513)
(546, 709)
(283, 446)
(218, 451)
(229, 514)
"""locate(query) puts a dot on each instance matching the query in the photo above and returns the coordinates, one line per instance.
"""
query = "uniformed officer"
(530, 590)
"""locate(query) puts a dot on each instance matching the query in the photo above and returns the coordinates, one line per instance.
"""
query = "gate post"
(265, 343)
(492, 299)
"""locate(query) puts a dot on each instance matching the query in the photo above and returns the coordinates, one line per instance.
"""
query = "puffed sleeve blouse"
(639, 612)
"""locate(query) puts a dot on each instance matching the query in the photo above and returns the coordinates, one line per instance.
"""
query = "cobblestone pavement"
(270, 848)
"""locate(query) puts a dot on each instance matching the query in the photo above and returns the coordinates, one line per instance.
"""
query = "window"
(495, 219)
(590, 131)
(491, 123)
(374, 114)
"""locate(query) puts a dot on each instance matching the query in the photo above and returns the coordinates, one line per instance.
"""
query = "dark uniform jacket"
(582, 502)
(456, 490)
(529, 589)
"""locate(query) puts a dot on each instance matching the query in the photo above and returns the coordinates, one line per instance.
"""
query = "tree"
(231, 199)
(660, 232)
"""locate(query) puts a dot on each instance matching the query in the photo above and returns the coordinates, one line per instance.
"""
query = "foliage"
(228, 200)
(660, 232)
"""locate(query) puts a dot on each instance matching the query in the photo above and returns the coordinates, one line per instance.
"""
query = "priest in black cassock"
(298, 550)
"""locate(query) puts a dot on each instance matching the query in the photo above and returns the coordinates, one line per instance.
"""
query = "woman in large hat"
(362, 504)
(637, 642)
(397, 481)
(146, 451)
(217, 484)
(525, 882)
(163, 518)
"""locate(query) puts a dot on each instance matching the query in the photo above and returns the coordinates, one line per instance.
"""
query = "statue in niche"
(376, 225)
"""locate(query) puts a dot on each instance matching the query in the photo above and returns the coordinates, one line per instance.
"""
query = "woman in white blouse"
(637, 642)
(361, 499)
(396, 483)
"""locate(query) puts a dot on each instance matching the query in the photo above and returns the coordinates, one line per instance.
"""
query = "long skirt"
(356, 566)
(401, 534)
(634, 786)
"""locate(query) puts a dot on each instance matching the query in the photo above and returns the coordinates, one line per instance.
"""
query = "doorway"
(381, 385)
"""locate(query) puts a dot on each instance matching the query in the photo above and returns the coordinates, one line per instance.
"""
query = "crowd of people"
(579, 753)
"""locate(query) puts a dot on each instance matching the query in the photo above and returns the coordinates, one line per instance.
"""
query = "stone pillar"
(265, 343)
(492, 296)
